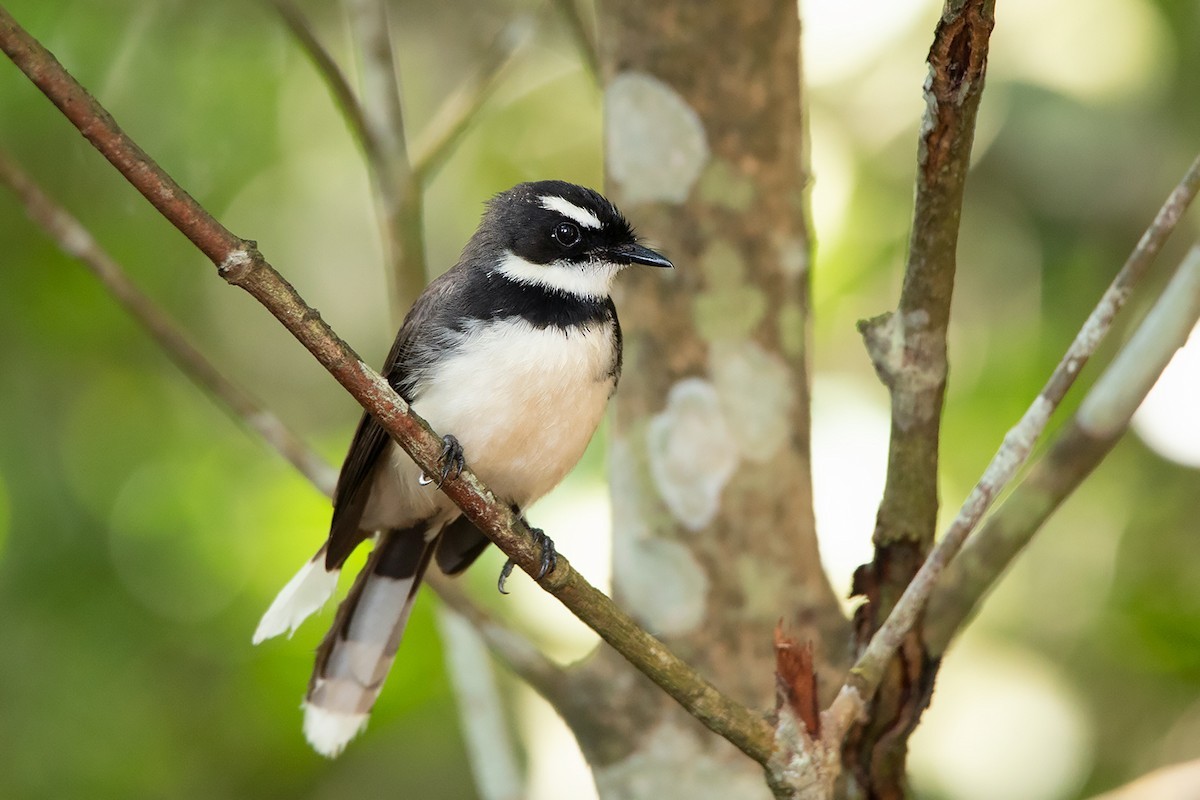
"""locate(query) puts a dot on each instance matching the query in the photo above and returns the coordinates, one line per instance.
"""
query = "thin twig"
(74, 239)
(239, 262)
(1102, 418)
(335, 79)
(396, 188)
(518, 653)
(869, 670)
(581, 32)
(458, 111)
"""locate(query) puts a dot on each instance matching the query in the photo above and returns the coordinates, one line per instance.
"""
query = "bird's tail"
(358, 651)
(303, 595)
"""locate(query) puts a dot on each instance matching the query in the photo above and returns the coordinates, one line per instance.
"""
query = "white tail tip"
(303, 595)
(330, 731)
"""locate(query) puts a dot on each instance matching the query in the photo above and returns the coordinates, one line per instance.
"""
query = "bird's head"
(561, 236)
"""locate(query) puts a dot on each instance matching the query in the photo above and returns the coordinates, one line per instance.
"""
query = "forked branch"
(867, 673)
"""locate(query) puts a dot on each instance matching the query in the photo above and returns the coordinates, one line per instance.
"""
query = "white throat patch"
(592, 280)
(587, 219)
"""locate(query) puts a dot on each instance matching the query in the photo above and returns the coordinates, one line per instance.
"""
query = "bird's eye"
(566, 234)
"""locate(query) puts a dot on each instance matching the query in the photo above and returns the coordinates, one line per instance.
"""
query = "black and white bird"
(513, 353)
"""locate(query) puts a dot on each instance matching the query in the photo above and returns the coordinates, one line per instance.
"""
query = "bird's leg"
(452, 458)
(549, 555)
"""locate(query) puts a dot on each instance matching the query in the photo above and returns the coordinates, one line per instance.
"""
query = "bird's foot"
(549, 559)
(452, 458)
(452, 461)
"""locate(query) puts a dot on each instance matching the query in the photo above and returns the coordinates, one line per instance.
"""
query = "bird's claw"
(452, 459)
(549, 554)
(548, 563)
(505, 571)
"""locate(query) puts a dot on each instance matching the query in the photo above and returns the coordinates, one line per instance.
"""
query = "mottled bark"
(710, 441)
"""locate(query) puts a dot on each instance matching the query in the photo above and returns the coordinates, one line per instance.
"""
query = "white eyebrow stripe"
(552, 202)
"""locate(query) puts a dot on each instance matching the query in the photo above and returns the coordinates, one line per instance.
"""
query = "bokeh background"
(142, 531)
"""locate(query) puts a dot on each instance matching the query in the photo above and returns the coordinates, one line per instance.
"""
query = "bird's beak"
(636, 254)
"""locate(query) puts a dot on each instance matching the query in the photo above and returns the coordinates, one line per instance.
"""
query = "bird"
(513, 354)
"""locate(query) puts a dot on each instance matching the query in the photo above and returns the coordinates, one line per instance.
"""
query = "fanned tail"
(302, 596)
(358, 651)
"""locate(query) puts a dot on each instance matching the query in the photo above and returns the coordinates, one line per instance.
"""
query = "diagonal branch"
(522, 657)
(519, 654)
(396, 187)
(239, 262)
(583, 35)
(456, 113)
(397, 173)
(1101, 420)
(74, 239)
(343, 95)
(867, 673)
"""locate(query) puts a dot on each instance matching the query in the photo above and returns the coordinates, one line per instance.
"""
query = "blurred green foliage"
(142, 532)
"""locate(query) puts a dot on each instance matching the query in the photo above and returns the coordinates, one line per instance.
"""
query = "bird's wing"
(414, 346)
(459, 545)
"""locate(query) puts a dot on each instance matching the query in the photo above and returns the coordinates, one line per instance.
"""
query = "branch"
(514, 650)
(520, 655)
(239, 262)
(908, 346)
(868, 671)
(1101, 420)
(383, 139)
(493, 756)
(454, 117)
(70, 235)
(396, 188)
(327, 68)
(581, 32)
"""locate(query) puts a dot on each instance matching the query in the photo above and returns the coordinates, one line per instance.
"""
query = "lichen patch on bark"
(656, 143)
(692, 452)
(756, 393)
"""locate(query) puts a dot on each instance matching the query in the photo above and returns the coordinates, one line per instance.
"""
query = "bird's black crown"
(548, 221)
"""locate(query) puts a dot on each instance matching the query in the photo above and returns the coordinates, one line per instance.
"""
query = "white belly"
(523, 402)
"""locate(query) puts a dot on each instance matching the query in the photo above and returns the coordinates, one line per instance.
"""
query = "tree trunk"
(711, 478)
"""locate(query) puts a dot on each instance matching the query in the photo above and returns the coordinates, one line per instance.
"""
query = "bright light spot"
(1114, 48)
(1168, 421)
(556, 766)
(1003, 725)
(179, 553)
(1176, 782)
(840, 38)
(849, 454)
(579, 518)
(833, 177)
